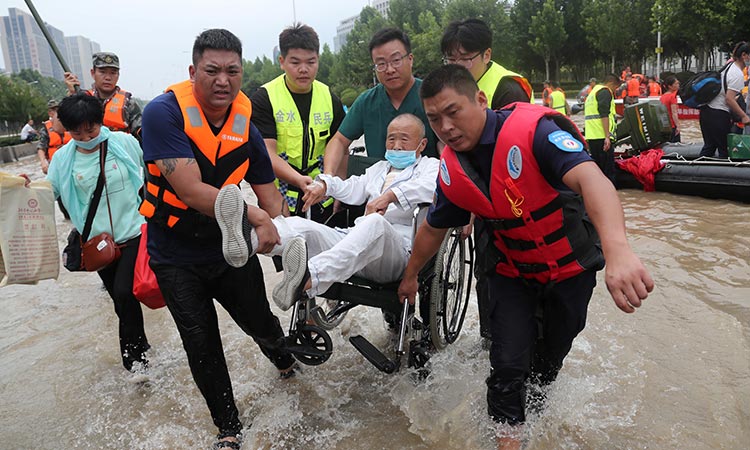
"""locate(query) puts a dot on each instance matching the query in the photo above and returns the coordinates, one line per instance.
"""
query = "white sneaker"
(294, 261)
(230, 211)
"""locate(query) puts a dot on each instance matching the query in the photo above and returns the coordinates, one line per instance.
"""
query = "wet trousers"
(118, 280)
(189, 292)
(533, 328)
(605, 160)
(715, 126)
(371, 249)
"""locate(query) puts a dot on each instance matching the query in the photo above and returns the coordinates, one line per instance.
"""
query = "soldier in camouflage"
(121, 110)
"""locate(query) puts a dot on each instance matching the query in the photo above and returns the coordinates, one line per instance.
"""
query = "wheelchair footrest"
(372, 354)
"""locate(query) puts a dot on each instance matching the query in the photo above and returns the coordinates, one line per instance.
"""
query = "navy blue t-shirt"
(553, 162)
(164, 137)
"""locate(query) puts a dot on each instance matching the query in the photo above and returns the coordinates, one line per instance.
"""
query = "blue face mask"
(401, 159)
(93, 143)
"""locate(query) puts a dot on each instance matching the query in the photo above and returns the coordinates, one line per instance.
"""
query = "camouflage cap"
(52, 104)
(106, 59)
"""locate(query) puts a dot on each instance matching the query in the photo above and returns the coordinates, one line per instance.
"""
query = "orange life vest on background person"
(545, 96)
(114, 110)
(55, 140)
(222, 158)
(538, 232)
(634, 87)
(654, 89)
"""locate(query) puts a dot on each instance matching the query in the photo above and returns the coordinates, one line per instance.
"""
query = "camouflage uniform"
(131, 110)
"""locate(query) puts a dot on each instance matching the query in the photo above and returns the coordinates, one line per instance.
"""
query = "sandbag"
(29, 250)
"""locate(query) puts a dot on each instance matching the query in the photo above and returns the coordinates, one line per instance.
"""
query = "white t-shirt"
(735, 81)
(26, 130)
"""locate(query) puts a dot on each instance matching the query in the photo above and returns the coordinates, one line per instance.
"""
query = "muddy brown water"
(675, 375)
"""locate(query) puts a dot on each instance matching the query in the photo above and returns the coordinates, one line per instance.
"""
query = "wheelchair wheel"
(325, 313)
(316, 339)
(451, 287)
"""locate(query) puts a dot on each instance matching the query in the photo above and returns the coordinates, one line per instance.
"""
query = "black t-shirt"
(263, 117)
(508, 91)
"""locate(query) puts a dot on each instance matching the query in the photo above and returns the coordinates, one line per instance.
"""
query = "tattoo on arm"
(171, 163)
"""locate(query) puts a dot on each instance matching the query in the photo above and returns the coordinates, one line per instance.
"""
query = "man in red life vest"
(524, 171)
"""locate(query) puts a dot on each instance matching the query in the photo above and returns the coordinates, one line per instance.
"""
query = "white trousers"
(371, 249)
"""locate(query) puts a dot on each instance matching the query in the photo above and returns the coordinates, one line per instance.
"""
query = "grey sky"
(153, 38)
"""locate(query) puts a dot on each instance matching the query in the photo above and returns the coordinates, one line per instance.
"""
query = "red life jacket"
(222, 159)
(538, 232)
(114, 110)
(55, 140)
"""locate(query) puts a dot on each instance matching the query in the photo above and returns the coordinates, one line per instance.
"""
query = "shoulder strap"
(97, 195)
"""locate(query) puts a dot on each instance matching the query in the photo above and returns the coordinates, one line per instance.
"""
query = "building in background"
(346, 25)
(25, 47)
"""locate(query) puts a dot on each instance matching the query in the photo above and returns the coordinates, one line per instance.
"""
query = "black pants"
(118, 280)
(715, 126)
(518, 353)
(483, 267)
(189, 292)
(605, 160)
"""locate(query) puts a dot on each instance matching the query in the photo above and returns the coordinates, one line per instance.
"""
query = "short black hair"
(739, 49)
(669, 81)
(215, 39)
(298, 36)
(452, 76)
(387, 35)
(554, 84)
(472, 34)
(611, 78)
(79, 109)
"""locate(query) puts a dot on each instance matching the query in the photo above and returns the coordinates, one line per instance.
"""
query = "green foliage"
(353, 66)
(325, 65)
(348, 96)
(24, 96)
(257, 73)
(425, 44)
(548, 31)
(406, 14)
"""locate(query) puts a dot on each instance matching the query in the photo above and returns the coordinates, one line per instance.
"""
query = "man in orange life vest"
(51, 137)
(538, 194)
(121, 111)
(198, 138)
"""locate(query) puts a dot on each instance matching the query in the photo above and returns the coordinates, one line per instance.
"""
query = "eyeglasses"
(395, 62)
(466, 62)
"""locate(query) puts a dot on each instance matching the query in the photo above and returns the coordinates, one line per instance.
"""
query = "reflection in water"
(674, 375)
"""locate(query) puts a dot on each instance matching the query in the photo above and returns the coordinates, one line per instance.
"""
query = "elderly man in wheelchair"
(362, 264)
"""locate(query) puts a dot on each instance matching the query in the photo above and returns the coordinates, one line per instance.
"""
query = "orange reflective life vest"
(55, 140)
(114, 110)
(222, 158)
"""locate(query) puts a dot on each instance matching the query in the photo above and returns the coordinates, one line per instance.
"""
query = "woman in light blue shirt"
(74, 173)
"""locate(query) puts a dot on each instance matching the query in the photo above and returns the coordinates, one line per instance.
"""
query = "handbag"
(91, 255)
(145, 287)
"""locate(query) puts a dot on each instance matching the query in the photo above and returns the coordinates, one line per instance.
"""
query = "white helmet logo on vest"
(444, 173)
(515, 162)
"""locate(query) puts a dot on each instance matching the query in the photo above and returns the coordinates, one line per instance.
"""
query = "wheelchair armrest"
(420, 212)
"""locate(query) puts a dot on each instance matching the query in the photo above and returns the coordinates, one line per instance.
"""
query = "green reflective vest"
(301, 148)
(557, 101)
(491, 78)
(593, 125)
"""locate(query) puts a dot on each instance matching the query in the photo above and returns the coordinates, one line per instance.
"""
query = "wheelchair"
(434, 322)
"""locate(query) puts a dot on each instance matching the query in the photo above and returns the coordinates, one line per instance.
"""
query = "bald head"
(406, 132)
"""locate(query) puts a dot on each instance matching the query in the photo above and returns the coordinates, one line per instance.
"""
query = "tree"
(605, 27)
(325, 65)
(520, 36)
(258, 73)
(548, 31)
(492, 12)
(353, 66)
(425, 44)
(20, 100)
(406, 13)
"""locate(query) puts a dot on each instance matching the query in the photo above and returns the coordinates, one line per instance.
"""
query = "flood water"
(674, 375)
